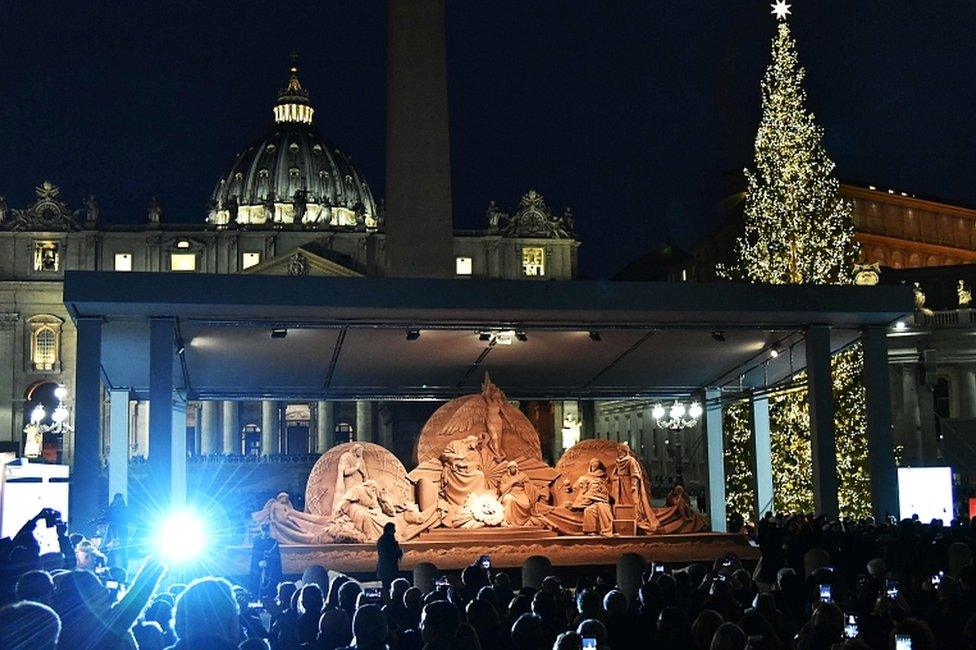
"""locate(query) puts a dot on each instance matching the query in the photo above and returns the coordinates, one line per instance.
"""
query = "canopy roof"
(347, 337)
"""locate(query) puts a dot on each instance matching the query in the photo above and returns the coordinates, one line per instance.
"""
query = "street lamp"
(676, 418)
(35, 430)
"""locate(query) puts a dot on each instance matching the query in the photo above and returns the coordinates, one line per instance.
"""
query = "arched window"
(44, 337)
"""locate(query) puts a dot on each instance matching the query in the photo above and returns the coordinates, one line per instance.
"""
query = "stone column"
(161, 409)
(269, 427)
(967, 391)
(178, 459)
(86, 465)
(913, 436)
(232, 429)
(715, 451)
(823, 445)
(8, 429)
(209, 423)
(881, 448)
(385, 426)
(762, 460)
(142, 428)
(118, 451)
(364, 421)
(587, 420)
(324, 426)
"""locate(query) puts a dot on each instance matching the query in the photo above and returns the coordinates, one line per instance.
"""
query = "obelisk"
(418, 220)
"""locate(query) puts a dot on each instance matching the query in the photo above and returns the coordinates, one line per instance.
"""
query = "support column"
(118, 449)
(881, 449)
(324, 426)
(715, 452)
(85, 468)
(178, 474)
(587, 419)
(823, 445)
(160, 409)
(762, 459)
(364, 421)
(232, 429)
(8, 430)
(269, 427)
(197, 410)
(913, 431)
(209, 423)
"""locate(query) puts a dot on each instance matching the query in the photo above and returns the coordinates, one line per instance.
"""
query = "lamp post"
(35, 430)
(676, 418)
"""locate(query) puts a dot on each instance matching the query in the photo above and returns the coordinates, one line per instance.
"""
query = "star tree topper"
(781, 10)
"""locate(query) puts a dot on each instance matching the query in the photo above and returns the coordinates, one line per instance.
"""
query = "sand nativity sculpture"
(479, 464)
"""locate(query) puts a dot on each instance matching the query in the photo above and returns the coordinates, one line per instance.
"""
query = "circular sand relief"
(575, 462)
(381, 466)
(477, 415)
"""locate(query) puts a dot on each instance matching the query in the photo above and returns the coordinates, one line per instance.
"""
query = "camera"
(903, 642)
(589, 643)
(485, 561)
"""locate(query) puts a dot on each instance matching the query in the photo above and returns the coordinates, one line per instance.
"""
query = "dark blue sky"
(630, 112)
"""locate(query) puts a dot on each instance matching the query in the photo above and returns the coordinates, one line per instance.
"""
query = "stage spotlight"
(181, 537)
(521, 336)
(279, 333)
(413, 335)
(774, 351)
(596, 336)
(718, 335)
(900, 326)
(484, 336)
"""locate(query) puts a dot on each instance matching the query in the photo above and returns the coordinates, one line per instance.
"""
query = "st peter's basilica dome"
(293, 175)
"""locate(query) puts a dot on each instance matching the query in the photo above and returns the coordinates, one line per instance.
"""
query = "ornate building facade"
(291, 203)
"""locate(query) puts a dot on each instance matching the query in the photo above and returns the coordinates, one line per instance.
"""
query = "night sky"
(630, 112)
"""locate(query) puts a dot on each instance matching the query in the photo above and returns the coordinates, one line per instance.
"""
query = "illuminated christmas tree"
(797, 230)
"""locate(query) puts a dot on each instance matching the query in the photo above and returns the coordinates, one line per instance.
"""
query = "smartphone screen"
(825, 594)
(47, 537)
(659, 568)
(850, 627)
(255, 604)
(589, 643)
(892, 590)
(903, 642)
(112, 584)
(485, 561)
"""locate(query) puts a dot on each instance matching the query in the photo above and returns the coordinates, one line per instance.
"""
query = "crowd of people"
(818, 585)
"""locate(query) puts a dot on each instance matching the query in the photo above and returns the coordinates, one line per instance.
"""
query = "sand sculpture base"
(446, 550)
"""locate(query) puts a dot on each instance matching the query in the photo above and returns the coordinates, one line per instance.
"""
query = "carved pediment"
(301, 261)
(48, 212)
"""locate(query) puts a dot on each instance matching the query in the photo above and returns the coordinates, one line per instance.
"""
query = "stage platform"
(466, 546)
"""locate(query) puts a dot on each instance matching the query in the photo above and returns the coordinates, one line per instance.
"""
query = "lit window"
(44, 352)
(250, 259)
(533, 261)
(463, 265)
(183, 262)
(123, 261)
(47, 256)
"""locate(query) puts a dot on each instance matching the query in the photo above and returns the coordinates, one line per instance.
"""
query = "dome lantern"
(293, 104)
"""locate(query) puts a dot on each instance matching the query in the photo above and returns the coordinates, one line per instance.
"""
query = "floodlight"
(279, 333)
(181, 537)
(900, 326)
(596, 336)
(521, 336)
(413, 335)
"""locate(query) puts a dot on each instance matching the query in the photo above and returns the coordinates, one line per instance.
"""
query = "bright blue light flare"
(181, 537)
